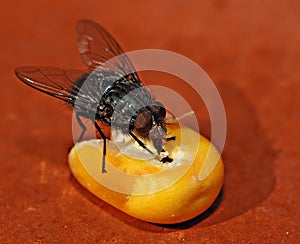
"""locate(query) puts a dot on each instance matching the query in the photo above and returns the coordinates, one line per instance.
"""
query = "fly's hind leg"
(83, 127)
(104, 146)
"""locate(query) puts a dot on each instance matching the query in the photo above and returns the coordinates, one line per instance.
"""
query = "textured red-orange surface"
(249, 48)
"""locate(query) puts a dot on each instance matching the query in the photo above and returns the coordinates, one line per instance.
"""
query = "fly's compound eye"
(143, 123)
(158, 109)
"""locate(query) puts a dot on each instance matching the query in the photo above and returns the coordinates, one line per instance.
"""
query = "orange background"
(251, 51)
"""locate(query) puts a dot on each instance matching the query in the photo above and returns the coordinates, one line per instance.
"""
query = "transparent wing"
(97, 47)
(56, 82)
(81, 90)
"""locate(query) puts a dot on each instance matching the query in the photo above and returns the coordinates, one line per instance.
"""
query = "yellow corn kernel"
(153, 192)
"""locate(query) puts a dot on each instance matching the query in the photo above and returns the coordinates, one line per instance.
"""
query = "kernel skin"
(184, 200)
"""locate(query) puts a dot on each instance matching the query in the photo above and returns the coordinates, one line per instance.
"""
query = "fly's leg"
(104, 146)
(140, 142)
(83, 127)
(172, 138)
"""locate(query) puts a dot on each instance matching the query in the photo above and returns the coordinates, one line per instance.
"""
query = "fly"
(98, 93)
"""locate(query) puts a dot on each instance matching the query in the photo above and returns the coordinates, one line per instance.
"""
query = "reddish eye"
(158, 109)
(143, 123)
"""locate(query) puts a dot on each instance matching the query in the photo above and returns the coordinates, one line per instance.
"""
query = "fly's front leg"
(140, 142)
(104, 146)
(172, 138)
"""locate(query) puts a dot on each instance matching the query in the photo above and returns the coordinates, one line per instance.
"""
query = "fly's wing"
(97, 47)
(81, 90)
(56, 82)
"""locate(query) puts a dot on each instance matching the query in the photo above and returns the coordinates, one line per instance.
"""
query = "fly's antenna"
(190, 113)
(171, 119)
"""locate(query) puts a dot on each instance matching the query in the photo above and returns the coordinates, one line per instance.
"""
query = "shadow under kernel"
(248, 157)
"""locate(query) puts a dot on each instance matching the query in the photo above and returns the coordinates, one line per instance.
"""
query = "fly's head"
(150, 123)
